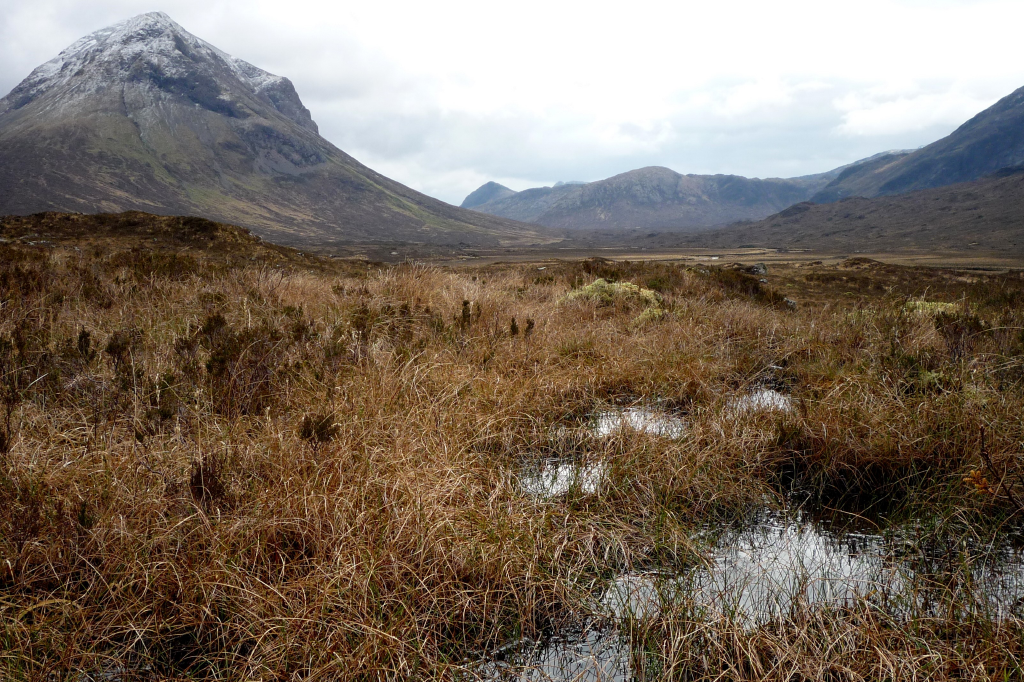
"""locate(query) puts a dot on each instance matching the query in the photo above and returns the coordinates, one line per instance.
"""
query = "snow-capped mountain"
(144, 115)
(152, 46)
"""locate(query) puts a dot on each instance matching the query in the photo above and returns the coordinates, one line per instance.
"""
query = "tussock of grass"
(216, 469)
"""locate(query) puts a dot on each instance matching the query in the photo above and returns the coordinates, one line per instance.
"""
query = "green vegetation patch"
(603, 292)
(932, 307)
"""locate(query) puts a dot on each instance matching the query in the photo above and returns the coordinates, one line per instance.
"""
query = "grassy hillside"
(184, 236)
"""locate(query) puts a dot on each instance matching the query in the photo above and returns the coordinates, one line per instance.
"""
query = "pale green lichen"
(602, 292)
(648, 316)
(931, 307)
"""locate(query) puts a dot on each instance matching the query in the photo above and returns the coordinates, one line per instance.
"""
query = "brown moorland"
(220, 459)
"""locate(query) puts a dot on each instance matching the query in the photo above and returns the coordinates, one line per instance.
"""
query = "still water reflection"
(763, 570)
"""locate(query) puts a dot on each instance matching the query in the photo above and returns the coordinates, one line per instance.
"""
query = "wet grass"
(213, 467)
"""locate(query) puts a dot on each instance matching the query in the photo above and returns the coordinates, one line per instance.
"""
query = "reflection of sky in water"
(758, 573)
(639, 419)
(760, 400)
(556, 477)
(593, 655)
(553, 478)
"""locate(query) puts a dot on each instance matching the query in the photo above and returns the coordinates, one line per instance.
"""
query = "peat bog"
(222, 462)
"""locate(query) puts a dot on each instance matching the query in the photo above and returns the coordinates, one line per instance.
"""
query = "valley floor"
(620, 249)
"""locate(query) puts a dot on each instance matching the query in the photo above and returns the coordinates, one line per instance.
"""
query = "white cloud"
(448, 94)
(871, 115)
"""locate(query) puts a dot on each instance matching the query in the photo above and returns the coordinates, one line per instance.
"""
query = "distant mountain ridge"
(984, 215)
(990, 141)
(145, 116)
(650, 198)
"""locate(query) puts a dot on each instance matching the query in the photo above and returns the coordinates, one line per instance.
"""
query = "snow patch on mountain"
(151, 46)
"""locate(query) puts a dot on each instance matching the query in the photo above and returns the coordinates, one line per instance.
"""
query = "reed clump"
(219, 469)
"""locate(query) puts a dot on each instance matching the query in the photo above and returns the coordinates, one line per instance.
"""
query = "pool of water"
(638, 419)
(760, 571)
(760, 400)
(757, 571)
(555, 477)
(592, 653)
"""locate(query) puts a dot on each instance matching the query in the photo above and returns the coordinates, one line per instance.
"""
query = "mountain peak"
(489, 191)
(153, 48)
(143, 115)
(146, 20)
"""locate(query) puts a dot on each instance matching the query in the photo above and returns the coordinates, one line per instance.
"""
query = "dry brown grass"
(229, 472)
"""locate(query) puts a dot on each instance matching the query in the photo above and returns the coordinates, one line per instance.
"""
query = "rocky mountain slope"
(649, 198)
(970, 217)
(992, 140)
(145, 116)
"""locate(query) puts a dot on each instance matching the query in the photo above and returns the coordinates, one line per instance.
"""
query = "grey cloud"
(799, 139)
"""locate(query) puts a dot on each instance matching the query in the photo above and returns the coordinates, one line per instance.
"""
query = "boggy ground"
(223, 468)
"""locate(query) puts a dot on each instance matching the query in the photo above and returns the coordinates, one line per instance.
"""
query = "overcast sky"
(445, 95)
